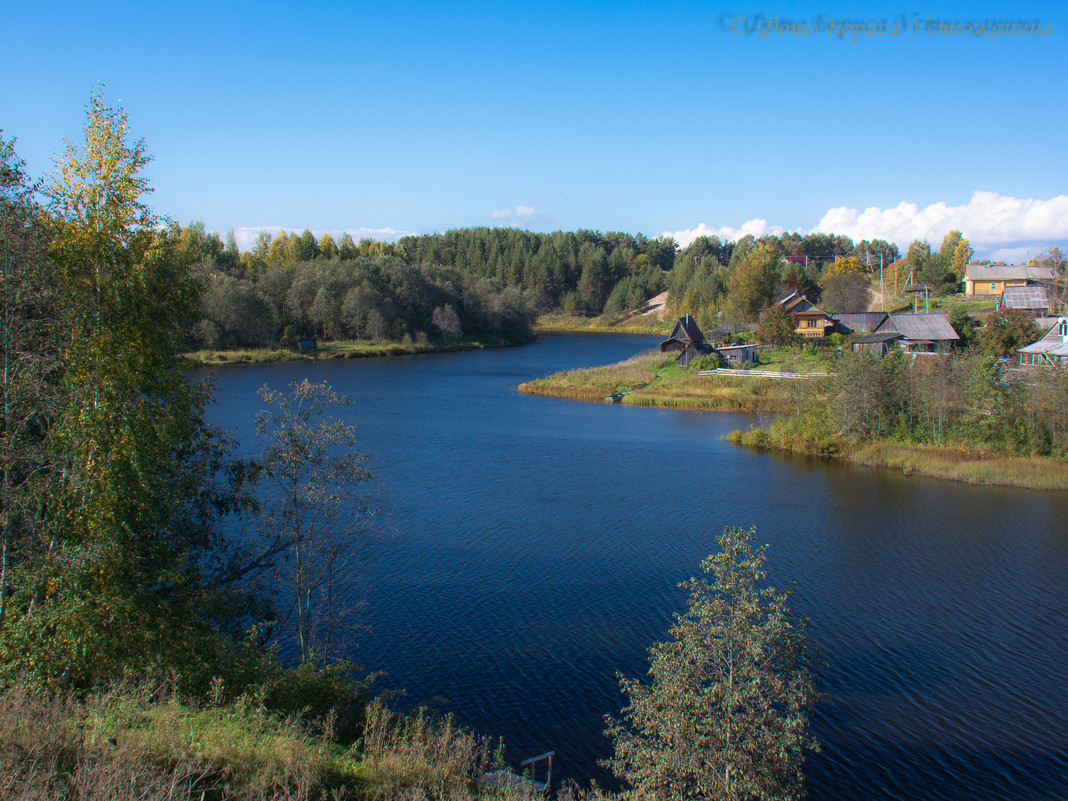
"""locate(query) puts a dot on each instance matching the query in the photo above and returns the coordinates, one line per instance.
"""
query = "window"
(993, 286)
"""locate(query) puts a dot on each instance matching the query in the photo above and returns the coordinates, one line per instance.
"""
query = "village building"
(690, 343)
(687, 340)
(1051, 350)
(879, 344)
(990, 280)
(857, 322)
(810, 321)
(914, 333)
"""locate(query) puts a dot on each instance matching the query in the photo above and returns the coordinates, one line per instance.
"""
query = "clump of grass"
(132, 744)
(422, 756)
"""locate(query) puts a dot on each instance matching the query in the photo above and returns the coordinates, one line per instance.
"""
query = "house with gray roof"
(1051, 350)
(857, 322)
(687, 340)
(919, 332)
(990, 280)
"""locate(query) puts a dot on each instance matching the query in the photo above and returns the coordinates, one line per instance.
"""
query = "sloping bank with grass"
(947, 417)
(653, 379)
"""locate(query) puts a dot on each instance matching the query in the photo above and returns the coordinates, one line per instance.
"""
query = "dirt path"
(655, 307)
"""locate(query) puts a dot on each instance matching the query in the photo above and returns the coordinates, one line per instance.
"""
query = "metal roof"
(859, 321)
(882, 336)
(1006, 272)
(920, 326)
(1025, 297)
(1054, 343)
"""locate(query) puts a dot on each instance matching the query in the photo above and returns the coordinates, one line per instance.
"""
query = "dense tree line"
(366, 297)
(496, 280)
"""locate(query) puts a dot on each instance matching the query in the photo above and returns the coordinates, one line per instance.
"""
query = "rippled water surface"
(539, 543)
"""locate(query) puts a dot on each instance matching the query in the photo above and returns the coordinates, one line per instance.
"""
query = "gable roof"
(796, 303)
(1054, 343)
(1006, 272)
(932, 326)
(687, 330)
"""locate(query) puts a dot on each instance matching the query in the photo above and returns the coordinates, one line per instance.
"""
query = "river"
(537, 545)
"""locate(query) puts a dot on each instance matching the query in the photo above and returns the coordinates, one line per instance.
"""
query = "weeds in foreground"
(139, 744)
(133, 745)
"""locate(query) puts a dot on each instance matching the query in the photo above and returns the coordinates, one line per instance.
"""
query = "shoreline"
(952, 463)
(653, 380)
(342, 349)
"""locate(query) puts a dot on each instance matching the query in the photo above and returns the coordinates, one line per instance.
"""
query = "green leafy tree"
(1006, 330)
(29, 355)
(954, 256)
(115, 583)
(725, 714)
(778, 327)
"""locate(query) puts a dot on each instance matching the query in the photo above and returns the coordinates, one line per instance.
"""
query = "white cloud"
(988, 220)
(756, 227)
(521, 216)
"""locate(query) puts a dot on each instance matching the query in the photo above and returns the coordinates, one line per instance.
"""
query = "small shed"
(879, 343)
(307, 345)
(736, 355)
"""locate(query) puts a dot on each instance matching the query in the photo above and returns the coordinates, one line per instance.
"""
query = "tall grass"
(138, 744)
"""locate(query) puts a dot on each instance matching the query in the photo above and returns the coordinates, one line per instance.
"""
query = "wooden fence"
(756, 374)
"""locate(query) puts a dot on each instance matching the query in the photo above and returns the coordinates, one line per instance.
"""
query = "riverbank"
(342, 349)
(653, 379)
(969, 465)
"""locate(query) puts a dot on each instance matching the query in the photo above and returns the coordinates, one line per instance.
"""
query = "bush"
(709, 362)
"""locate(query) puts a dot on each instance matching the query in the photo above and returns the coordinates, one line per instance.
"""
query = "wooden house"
(990, 280)
(687, 340)
(810, 321)
(919, 332)
(1051, 350)
(857, 322)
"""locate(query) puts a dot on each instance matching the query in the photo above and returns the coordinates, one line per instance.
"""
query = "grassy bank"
(653, 379)
(133, 744)
(970, 465)
(341, 349)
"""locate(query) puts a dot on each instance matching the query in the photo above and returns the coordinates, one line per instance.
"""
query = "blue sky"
(675, 117)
